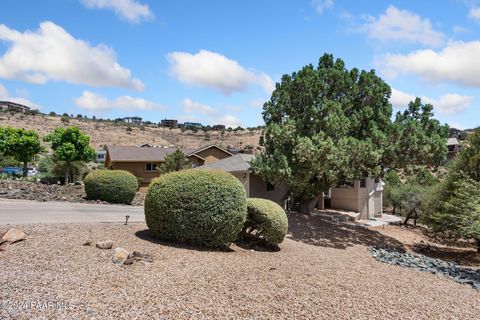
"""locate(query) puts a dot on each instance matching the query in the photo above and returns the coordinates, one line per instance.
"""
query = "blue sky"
(216, 61)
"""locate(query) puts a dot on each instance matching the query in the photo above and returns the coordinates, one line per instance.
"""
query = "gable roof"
(452, 142)
(147, 153)
(237, 163)
(208, 147)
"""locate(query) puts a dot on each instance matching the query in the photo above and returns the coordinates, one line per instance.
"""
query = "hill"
(117, 133)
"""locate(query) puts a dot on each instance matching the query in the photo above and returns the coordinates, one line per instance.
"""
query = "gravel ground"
(309, 278)
(15, 189)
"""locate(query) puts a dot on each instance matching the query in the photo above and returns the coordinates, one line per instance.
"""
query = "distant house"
(132, 120)
(192, 125)
(169, 123)
(218, 127)
(144, 161)
(101, 153)
(12, 106)
(454, 147)
(363, 196)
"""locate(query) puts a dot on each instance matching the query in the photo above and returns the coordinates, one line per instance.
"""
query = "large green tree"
(328, 124)
(20, 144)
(175, 161)
(453, 208)
(70, 145)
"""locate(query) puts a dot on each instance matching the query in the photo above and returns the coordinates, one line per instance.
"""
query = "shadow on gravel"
(317, 231)
(461, 256)
(145, 235)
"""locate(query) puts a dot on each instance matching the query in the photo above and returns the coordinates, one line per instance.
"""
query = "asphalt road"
(25, 212)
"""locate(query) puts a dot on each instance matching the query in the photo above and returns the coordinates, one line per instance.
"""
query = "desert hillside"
(110, 133)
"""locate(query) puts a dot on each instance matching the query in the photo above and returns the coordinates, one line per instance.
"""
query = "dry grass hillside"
(109, 133)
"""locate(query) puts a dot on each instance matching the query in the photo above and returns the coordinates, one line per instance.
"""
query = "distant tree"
(70, 145)
(65, 115)
(453, 208)
(175, 161)
(79, 116)
(328, 124)
(65, 120)
(52, 113)
(20, 144)
(94, 118)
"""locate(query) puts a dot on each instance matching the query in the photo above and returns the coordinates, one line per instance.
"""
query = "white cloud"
(51, 53)
(321, 5)
(94, 102)
(457, 63)
(397, 25)
(213, 70)
(474, 13)
(449, 103)
(190, 107)
(130, 10)
(6, 96)
(228, 121)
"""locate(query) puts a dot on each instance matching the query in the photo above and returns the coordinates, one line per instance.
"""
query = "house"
(132, 120)
(454, 147)
(143, 161)
(12, 106)
(192, 125)
(363, 196)
(169, 123)
(101, 153)
(218, 127)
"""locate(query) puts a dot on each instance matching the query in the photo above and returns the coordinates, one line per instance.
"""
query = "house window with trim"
(270, 186)
(150, 167)
(363, 183)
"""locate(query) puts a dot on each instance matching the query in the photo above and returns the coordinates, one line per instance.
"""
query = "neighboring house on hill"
(218, 127)
(169, 123)
(192, 125)
(143, 161)
(132, 120)
(454, 147)
(12, 106)
(363, 196)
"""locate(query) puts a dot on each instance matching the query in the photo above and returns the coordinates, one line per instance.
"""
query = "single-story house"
(454, 147)
(363, 196)
(13, 106)
(143, 161)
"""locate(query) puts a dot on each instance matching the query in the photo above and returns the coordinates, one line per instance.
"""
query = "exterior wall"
(137, 169)
(244, 179)
(212, 155)
(196, 162)
(258, 189)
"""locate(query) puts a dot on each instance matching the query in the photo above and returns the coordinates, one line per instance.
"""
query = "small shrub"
(196, 206)
(267, 220)
(114, 186)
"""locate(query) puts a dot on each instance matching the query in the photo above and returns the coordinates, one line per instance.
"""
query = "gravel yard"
(321, 271)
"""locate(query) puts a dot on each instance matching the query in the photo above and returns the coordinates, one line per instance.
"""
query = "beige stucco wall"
(244, 179)
(258, 189)
(212, 155)
(137, 169)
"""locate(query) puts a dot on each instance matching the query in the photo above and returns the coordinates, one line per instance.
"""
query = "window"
(150, 167)
(270, 187)
(363, 183)
(101, 156)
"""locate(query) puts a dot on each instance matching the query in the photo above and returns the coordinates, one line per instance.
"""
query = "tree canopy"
(328, 124)
(175, 161)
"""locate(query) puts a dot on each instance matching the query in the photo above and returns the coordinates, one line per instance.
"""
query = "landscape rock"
(120, 255)
(105, 244)
(426, 264)
(14, 235)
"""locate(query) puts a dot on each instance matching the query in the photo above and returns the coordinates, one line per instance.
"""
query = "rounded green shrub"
(196, 206)
(114, 186)
(267, 220)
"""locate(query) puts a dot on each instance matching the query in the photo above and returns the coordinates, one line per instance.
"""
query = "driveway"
(25, 212)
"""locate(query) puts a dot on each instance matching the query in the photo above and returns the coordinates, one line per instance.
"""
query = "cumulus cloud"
(94, 102)
(456, 63)
(321, 5)
(213, 70)
(450, 103)
(228, 121)
(6, 96)
(193, 107)
(130, 10)
(397, 25)
(474, 13)
(51, 53)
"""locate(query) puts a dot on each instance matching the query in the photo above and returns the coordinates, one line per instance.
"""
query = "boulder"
(105, 244)
(120, 255)
(13, 235)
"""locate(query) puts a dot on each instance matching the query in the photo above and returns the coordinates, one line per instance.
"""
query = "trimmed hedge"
(114, 186)
(267, 220)
(196, 206)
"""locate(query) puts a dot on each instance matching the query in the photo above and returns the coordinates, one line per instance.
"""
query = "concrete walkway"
(25, 212)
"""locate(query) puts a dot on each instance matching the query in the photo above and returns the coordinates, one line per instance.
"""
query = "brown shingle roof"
(141, 154)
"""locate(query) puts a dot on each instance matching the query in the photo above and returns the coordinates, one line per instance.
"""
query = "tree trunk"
(67, 175)
(25, 169)
(478, 245)
(307, 206)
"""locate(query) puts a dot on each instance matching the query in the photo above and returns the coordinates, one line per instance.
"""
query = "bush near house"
(267, 220)
(196, 206)
(114, 186)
